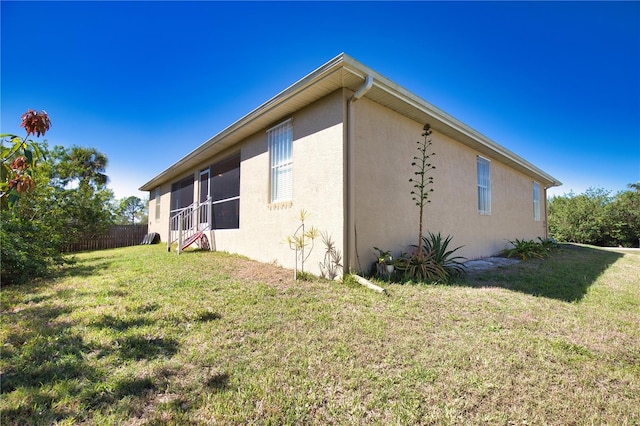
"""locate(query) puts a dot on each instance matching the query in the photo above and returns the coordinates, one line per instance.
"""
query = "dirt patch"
(275, 276)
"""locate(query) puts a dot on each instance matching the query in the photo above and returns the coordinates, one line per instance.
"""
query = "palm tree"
(88, 165)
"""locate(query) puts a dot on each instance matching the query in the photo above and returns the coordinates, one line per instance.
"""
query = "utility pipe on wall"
(349, 234)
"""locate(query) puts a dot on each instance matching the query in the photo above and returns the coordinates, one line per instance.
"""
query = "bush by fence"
(116, 236)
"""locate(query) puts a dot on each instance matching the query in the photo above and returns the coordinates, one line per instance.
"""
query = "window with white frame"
(484, 186)
(280, 142)
(536, 201)
(157, 198)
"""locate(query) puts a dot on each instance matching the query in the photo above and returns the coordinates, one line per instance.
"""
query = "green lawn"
(142, 336)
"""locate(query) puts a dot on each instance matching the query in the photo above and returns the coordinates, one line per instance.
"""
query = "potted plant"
(385, 263)
(401, 263)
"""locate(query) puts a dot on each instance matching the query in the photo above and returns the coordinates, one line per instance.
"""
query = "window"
(280, 141)
(225, 193)
(536, 201)
(157, 198)
(484, 186)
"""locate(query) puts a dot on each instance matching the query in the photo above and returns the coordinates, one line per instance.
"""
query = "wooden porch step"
(192, 239)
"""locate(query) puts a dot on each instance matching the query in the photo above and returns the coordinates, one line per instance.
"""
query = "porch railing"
(187, 222)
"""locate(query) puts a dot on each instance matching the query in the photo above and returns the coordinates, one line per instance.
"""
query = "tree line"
(50, 198)
(597, 217)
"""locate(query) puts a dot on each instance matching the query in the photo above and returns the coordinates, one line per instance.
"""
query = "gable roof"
(345, 72)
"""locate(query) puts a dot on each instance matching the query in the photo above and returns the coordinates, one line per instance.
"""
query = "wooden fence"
(115, 236)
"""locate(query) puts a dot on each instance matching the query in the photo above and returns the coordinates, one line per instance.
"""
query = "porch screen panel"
(203, 212)
(227, 215)
(484, 186)
(225, 193)
(280, 141)
(204, 185)
(181, 196)
(182, 193)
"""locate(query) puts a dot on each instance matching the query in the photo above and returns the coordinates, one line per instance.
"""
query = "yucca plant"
(331, 266)
(300, 240)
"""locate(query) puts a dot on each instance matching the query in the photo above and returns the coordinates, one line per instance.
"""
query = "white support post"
(169, 234)
(180, 218)
(196, 216)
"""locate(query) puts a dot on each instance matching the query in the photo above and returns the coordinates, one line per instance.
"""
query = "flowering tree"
(18, 157)
(69, 203)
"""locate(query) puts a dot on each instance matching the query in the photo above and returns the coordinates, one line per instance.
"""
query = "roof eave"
(451, 126)
(389, 94)
(208, 147)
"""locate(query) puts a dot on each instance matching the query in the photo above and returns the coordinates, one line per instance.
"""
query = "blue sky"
(558, 83)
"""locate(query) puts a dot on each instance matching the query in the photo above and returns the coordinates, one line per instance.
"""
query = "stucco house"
(339, 144)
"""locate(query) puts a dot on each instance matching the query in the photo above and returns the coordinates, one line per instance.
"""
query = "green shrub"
(597, 217)
(28, 249)
(548, 244)
(530, 249)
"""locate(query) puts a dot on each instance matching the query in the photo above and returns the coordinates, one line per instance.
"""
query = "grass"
(141, 336)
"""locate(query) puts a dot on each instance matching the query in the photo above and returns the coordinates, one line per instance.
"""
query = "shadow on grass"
(120, 324)
(125, 388)
(194, 251)
(565, 275)
(74, 267)
(218, 382)
(206, 316)
(36, 348)
(144, 347)
(48, 362)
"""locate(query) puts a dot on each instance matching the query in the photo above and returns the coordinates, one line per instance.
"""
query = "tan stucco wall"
(317, 188)
(387, 217)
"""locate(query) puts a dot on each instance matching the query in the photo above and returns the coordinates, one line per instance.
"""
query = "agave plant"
(421, 266)
(439, 246)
